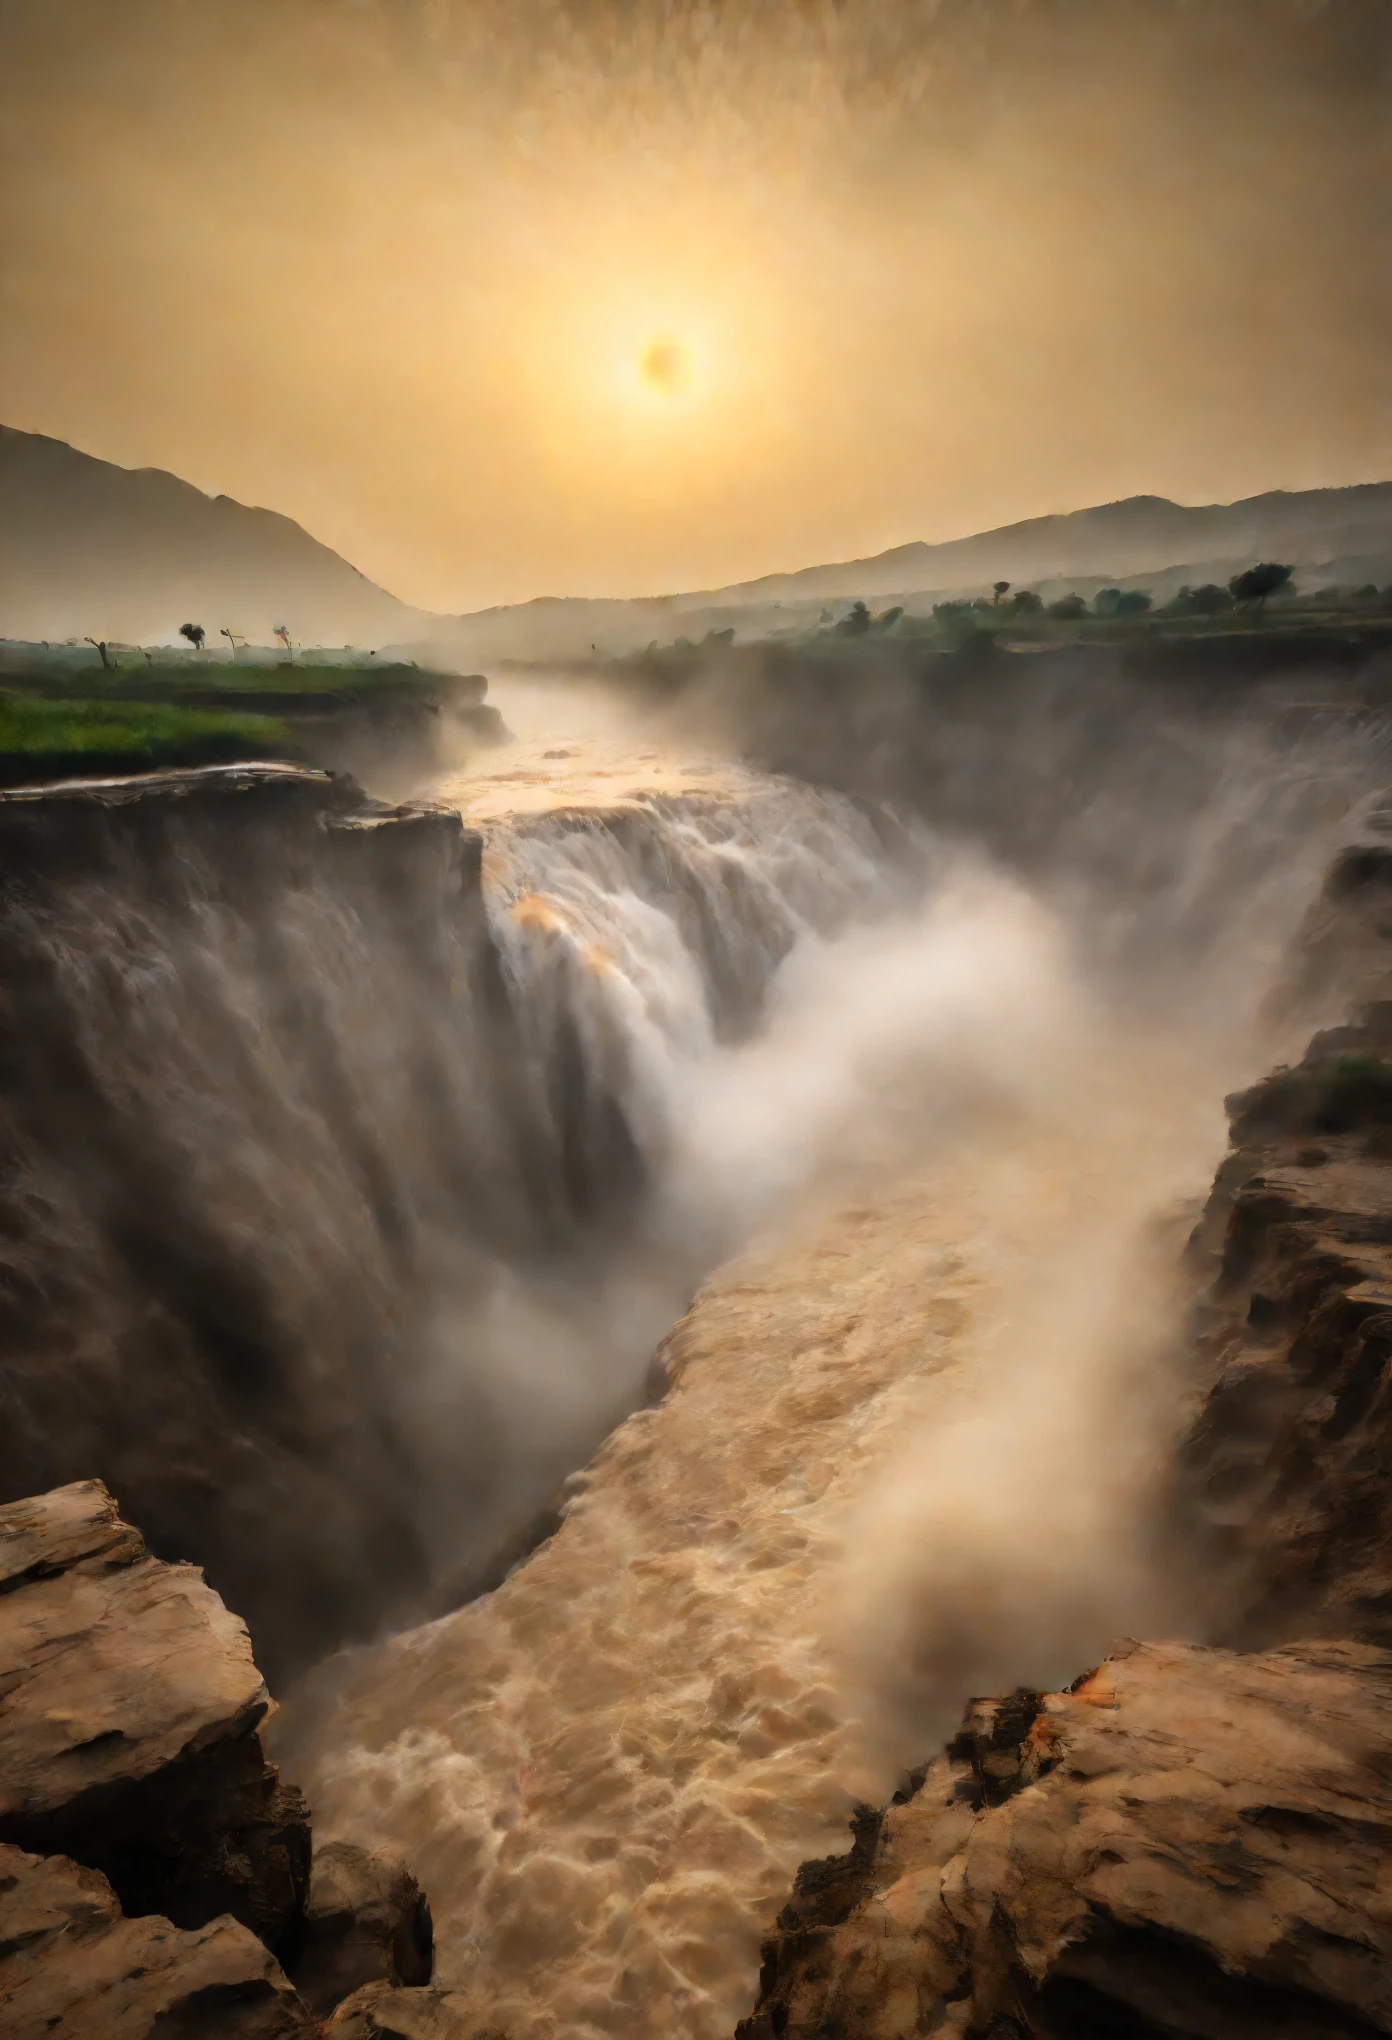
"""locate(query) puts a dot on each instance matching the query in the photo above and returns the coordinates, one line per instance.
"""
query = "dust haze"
(1047, 1017)
(392, 268)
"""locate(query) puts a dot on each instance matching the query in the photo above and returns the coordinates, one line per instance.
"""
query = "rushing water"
(332, 1230)
(909, 1436)
(342, 1216)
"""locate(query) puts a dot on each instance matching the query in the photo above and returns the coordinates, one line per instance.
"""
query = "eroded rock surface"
(366, 1920)
(73, 1968)
(129, 1709)
(378, 2012)
(1191, 1842)
(1284, 1476)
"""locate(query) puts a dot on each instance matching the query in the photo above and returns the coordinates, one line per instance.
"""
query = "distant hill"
(87, 547)
(1141, 534)
(129, 554)
(1329, 535)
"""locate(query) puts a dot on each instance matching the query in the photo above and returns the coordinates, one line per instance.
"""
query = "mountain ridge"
(87, 546)
(91, 548)
(1162, 521)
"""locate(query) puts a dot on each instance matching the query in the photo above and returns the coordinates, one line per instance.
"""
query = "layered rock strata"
(1284, 1499)
(153, 1867)
(128, 1724)
(1189, 1842)
(73, 1967)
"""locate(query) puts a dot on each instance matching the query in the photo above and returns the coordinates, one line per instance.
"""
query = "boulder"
(378, 2012)
(129, 1708)
(68, 1529)
(366, 1920)
(1191, 1844)
(72, 1967)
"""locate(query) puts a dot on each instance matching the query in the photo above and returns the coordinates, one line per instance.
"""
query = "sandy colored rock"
(379, 2012)
(129, 1703)
(1191, 1843)
(110, 1678)
(77, 1525)
(73, 1968)
(366, 1920)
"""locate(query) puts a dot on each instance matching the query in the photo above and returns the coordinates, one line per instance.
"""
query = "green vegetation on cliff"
(44, 739)
(67, 711)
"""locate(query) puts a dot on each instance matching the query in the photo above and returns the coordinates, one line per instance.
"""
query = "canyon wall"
(1194, 1839)
(326, 1220)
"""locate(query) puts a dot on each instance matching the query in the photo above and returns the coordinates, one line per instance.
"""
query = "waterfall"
(332, 1230)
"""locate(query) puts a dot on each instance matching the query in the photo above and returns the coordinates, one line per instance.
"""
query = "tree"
(1026, 603)
(1207, 600)
(856, 621)
(1068, 608)
(1134, 602)
(1106, 602)
(887, 618)
(1258, 582)
(195, 634)
(1000, 588)
(101, 650)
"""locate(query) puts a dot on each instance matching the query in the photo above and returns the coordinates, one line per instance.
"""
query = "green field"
(63, 674)
(65, 715)
(44, 738)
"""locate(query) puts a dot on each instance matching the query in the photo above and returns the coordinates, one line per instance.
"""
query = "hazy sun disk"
(665, 366)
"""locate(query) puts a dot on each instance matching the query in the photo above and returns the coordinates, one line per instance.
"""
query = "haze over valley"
(695, 1020)
(89, 549)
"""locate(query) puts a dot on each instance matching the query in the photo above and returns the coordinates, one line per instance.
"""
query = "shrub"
(1266, 578)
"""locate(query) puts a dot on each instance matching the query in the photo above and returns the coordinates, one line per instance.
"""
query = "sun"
(664, 366)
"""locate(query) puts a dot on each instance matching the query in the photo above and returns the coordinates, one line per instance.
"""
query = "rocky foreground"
(156, 1877)
(1189, 1841)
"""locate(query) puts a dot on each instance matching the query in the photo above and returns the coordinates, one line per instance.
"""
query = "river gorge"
(649, 1279)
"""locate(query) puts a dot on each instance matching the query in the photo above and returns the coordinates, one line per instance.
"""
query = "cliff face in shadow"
(330, 1159)
(262, 1103)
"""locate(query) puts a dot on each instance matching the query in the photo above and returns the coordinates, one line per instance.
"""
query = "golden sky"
(512, 297)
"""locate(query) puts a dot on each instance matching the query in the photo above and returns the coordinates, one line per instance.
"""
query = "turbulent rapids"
(906, 1444)
(345, 1190)
(646, 1303)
